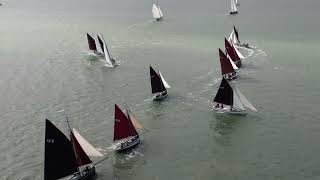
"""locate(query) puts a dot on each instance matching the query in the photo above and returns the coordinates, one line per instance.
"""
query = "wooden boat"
(158, 85)
(230, 100)
(67, 158)
(125, 133)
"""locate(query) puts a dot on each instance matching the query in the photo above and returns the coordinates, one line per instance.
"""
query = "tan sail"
(134, 121)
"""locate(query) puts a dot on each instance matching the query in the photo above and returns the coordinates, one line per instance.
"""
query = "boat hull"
(159, 19)
(230, 76)
(160, 96)
(229, 111)
(129, 143)
(89, 174)
(234, 13)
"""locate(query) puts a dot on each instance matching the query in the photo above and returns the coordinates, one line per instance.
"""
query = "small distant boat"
(234, 9)
(92, 45)
(156, 12)
(67, 158)
(110, 61)
(158, 85)
(125, 133)
(227, 67)
(230, 100)
(234, 39)
(233, 53)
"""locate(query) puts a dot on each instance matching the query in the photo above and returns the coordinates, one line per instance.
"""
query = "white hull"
(230, 76)
(127, 143)
(229, 111)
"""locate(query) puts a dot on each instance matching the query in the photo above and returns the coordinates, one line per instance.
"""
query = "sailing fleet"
(67, 156)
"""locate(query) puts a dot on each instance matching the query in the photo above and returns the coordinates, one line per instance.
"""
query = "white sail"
(99, 49)
(239, 53)
(231, 37)
(134, 121)
(166, 85)
(160, 12)
(86, 146)
(235, 67)
(237, 2)
(156, 12)
(237, 104)
(233, 6)
(106, 54)
(245, 101)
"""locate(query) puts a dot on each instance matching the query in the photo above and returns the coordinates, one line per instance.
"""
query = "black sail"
(224, 94)
(156, 82)
(101, 43)
(91, 43)
(236, 33)
(59, 158)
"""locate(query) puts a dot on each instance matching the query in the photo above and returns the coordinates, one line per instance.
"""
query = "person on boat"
(217, 105)
(221, 106)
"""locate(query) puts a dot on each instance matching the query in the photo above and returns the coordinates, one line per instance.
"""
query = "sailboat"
(234, 39)
(227, 67)
(110, 61)
(158, 85)
(92, 45)
(156, 12)
(125, 134)
(67, 158)
(233, 53)
(234, 9)
(230, 100)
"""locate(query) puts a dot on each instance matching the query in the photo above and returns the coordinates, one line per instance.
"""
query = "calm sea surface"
(45, 67)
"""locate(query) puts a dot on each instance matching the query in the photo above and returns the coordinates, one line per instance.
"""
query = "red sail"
(81, 157)
(231, 51)
(226, 66)
(122, 126)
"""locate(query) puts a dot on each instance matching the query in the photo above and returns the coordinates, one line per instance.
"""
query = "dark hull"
(230, 76)
(90, 174)
(159, 19)
(234, 13)
(127, 145)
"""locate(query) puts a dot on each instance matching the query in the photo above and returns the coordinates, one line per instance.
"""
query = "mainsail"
(101, 43)
(81, 157)
(123, 127)
(164, 81)
(60, 160)
(157, 85)
(231, 51)
(226, 66)
(86, 146)
(91, 43)
(224, 94)
(156, 12)
(236, 34)
(107, 56)
(233, 6)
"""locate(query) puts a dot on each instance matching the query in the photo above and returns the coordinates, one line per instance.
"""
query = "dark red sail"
(226, 66)
(224, 94)
(91, 43)
(59, 157)
(81, 157)
(101, 43)
(231, 51)
(156, 82)
(122, 126)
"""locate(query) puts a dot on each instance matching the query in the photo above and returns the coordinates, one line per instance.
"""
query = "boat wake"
(131, 27)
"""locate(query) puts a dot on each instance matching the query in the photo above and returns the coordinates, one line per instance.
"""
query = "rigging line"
(101, 160)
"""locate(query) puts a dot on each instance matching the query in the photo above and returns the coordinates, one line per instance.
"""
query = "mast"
(59, 158)
(91, 43)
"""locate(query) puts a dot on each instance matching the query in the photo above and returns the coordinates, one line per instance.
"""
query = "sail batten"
(86, 146)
